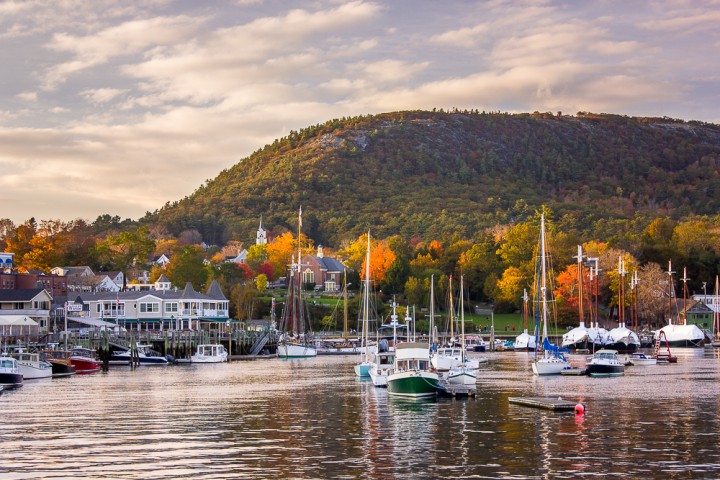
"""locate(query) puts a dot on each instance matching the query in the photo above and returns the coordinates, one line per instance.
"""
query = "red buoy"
(579, 409)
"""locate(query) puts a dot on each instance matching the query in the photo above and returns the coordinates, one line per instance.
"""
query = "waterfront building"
(162, 308)
(34, 303)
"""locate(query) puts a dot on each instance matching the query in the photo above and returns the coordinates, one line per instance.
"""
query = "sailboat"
(363, 368)
(552, 361)
(679, 335)
(383, 361)
(581, 337)
(525, 341)
(622, 339)
(295, 339)
(462, 373)
(452, 355)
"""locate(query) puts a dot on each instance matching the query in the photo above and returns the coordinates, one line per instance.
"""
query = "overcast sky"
(118, 107)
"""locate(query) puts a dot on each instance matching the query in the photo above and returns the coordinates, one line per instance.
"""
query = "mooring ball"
(579, 409)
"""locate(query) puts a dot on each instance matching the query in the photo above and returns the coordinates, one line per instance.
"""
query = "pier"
(547, 403)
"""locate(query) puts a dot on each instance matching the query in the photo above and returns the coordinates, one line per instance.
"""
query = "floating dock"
(446, 389)
(548, 403)
(573, 371)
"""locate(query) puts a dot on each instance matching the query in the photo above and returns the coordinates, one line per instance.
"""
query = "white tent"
(13, 324)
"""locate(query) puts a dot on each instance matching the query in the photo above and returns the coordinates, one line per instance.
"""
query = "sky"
(110, 107)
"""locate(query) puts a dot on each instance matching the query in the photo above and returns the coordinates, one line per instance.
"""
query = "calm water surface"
(313, 418)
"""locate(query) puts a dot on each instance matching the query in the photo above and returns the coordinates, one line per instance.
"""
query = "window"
(308, 276)
(149, 307)
(171, 307)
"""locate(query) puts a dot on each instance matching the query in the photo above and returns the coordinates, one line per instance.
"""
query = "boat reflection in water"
(312, 418)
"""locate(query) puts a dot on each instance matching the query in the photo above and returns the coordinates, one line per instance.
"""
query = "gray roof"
(21, 295)
(330, 264)
(136, 295)
(163, 279)
(188, 291)
(214, 291)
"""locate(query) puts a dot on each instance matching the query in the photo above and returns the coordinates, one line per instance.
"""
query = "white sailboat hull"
(462, 376)
(296, 350)
(549, 366)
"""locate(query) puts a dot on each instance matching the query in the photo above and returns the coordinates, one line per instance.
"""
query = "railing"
(200, 312)
(27, 311)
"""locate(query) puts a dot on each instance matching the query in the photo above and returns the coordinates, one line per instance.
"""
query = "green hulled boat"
(411, 376)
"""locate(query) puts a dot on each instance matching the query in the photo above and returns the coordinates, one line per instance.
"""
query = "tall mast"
(366, 298)
(621, 292)
(671, 288)
(450, 317)
(685, 280)
(345, 306)
(298, 319)
(716, 312)
(543, 273)
(525, 310)
(432, 307)
(580, 257)
(462, 321)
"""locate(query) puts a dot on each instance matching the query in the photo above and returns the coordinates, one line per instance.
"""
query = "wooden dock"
(446, 389)
(574, 371)
(548, 403)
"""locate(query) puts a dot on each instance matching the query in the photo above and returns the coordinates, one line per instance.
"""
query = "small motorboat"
(475, 344)
(10, 376)
(210, 353)
(84, 360)
(60, 361)
(642, 359)
(31, 366)
(381, 367)
(605, 363)
(145, 356)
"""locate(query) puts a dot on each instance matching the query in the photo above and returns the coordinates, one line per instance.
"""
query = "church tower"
(261, 237)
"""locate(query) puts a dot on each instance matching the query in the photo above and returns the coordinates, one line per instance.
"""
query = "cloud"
(128, 38)
(28, 96)
(119, 97)
(102, 95)
(467, 37)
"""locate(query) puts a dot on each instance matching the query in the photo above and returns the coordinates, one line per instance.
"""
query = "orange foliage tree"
(281, 249)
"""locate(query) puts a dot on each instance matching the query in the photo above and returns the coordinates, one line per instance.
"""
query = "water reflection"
(313, 418)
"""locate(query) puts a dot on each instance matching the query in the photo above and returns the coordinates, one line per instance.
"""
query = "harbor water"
(312, 418)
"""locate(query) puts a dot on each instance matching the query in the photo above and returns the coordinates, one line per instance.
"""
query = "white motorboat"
(10, 376)
(207, 353)
(381, 368)
(31, 367)
(641, 359)
(475, 344)
(605, 363)
(451, 357)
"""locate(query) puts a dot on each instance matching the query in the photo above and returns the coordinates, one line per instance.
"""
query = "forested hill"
(439, 175)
